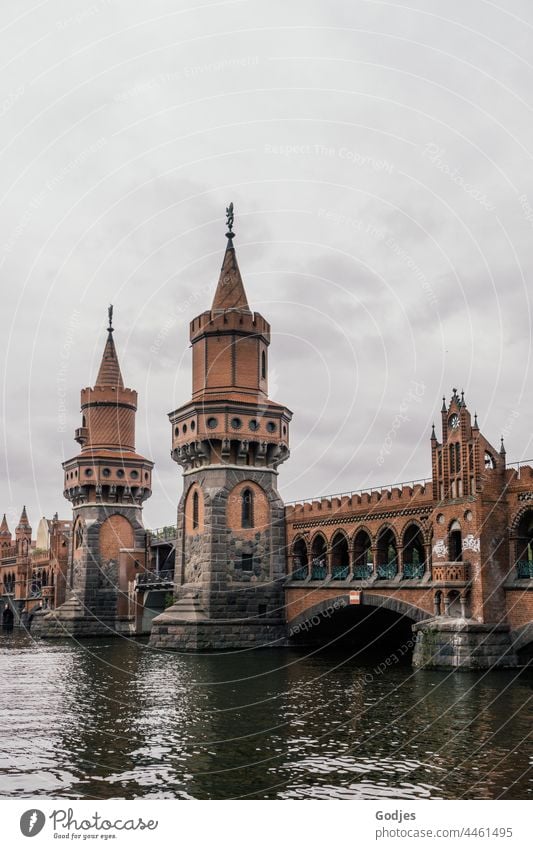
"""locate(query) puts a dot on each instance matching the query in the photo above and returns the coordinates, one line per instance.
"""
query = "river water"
(115, 719)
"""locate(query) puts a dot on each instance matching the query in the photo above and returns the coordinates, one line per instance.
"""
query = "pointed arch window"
(195, 510)
(247, 515)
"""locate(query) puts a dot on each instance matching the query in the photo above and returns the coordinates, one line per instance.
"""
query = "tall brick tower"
(229, 440)
(107, 483)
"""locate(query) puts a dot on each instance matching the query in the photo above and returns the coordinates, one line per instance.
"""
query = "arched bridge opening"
(367, 625)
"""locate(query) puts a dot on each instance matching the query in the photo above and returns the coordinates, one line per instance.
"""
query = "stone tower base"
(72, 619)
(462, 643)
(186, 627)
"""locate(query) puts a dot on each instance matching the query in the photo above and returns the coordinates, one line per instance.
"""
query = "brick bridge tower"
(229, 440)
(107, 483)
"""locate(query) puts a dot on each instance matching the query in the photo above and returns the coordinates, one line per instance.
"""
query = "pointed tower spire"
(4, 530)
(23, 521)
(443, 408)
(230, 294)
(433, 434)
(475, 422)
(502, 448)
(109, 372)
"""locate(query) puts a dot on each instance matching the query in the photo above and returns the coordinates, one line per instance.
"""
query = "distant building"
(32, 574)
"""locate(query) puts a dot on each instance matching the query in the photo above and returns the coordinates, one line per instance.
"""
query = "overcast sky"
(379, 156)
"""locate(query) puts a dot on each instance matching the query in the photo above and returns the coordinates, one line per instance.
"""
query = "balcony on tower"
(81, 434)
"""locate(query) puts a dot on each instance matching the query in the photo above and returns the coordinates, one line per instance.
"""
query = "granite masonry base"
(185, 627)
(442, 642)
(72, 619)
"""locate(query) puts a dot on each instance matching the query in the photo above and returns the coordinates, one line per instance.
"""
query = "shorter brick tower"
(470, 551)
(107, 483)
(229, 440)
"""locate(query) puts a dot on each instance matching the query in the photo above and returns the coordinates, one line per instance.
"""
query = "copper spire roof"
(23, 521)
(230, 294)
(4, 530)
(109, 372)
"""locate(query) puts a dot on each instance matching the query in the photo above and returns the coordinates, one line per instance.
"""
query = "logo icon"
(32, 822)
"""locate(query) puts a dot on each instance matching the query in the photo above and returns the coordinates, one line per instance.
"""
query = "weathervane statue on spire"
(110, 314)
(229, 222)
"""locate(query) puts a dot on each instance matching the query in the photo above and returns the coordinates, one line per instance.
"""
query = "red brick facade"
(460, 544)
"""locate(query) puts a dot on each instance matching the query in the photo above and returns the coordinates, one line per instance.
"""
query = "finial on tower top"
(110, 314)
(229, 222)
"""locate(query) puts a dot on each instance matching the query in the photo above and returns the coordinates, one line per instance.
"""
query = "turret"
(108, 468)
(23, 534)
(230, 419)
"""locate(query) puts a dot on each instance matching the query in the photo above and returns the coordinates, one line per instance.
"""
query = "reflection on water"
(114, 719)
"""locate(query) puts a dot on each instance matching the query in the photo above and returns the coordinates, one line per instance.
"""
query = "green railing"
(363, 570)
(413, 570)
(340, 573)
(387, 571)
(318, 572)
(524, 568)
(299, 574)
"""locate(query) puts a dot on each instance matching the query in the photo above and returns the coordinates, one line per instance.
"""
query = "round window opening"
(134, 474)
(176, 431)
(88, 472)
(106, 472)
(468, 515)
(271, 427)
(212, 422)
(236, 423)
(193, 425)
(120, 473)
(284, 430)
(254, 424)
(184, 428)
(440, 518)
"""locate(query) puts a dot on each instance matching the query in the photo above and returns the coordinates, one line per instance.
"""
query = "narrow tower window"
(263, 365)
(195, 509)
(247, 509)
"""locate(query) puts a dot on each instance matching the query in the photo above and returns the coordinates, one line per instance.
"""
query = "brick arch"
(409, 524)
(368, 599)
(300, 538)
(115, 532)
(315, 536)
(188, 509)
(358, 530)
(261, 508)
(386, 526)
(340, 531)
(517, 517)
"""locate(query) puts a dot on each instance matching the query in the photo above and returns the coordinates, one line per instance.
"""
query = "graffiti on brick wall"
(471, 543)
(440, 550)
